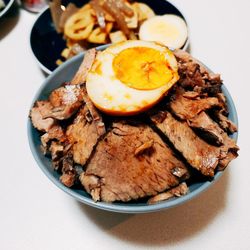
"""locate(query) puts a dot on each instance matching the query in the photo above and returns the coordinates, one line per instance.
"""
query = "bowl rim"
(6, 8)
(46, 8)
(113, 207)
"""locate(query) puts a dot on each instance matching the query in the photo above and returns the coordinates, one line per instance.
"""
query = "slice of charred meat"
(212, 132)
(229, 151)
(62, 104)
(178, 191)
(229, 157)
(36, 116)
(194, 74)
(131, 162)
(223, 100)
(56, 150)
(207, 128)
(94, 114)
(81, 74)
(69, 174)
(65, 102)
(68, 179)
(193, 95)
(54, 133)
(197, 152)
(224, 122)
(83, 134)
(186, 108)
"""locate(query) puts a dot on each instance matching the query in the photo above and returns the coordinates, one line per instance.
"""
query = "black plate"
(47, 44)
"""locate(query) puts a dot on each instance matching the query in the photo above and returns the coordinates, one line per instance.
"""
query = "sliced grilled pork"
(194, 74)
(186, 108)
(207, 128)
(229, 151)
(193, 95)
(69, 174)
(54, 133)
(81, 74)
(212, 132)
(36, 115)
(56, 150)
(83, 134)
(131, 162)
(224, 122)
(65, 101)
(178, 191)
(198, 153)
(94, 114)
(225, 161)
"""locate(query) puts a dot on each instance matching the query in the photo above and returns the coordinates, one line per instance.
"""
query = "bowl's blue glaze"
(65, 73)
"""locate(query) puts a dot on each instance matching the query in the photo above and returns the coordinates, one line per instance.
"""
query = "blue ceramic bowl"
(8, 4)
(64, 73)
(47, 44)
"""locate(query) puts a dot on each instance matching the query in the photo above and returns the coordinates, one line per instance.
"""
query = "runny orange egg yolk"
(142, 68)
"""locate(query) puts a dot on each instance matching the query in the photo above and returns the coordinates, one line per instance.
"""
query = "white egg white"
(170, 30)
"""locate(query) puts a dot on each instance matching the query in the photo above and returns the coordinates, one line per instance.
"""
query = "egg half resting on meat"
(130, 77)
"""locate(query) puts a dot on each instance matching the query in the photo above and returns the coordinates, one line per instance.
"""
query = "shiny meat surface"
(116, 172)
(212, 132)
(186, 108)
(229, 151)
(83, 135)
(197, 152)
(36, 115)
(224, 122)
(194, 74)
(208, 128)
(81, 74)
(65, 102)
(54, 133)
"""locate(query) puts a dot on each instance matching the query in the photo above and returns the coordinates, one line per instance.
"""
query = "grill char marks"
(207, 128)
(186, 108)
(198, 153)
(125, 173)
(84, 134)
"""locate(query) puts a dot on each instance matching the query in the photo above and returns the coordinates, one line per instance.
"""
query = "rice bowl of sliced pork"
(157, 158)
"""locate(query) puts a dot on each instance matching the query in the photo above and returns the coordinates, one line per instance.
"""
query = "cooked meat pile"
(147, 156)
(135, 162)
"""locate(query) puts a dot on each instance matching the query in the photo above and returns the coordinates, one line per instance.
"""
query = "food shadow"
(9, 21)
(166, 227)
(189, 48)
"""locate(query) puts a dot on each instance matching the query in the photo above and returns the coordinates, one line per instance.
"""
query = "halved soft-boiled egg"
(130, 77)
(170, 30)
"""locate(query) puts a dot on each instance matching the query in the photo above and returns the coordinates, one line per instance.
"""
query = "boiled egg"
(130, 77)
(170, 30)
